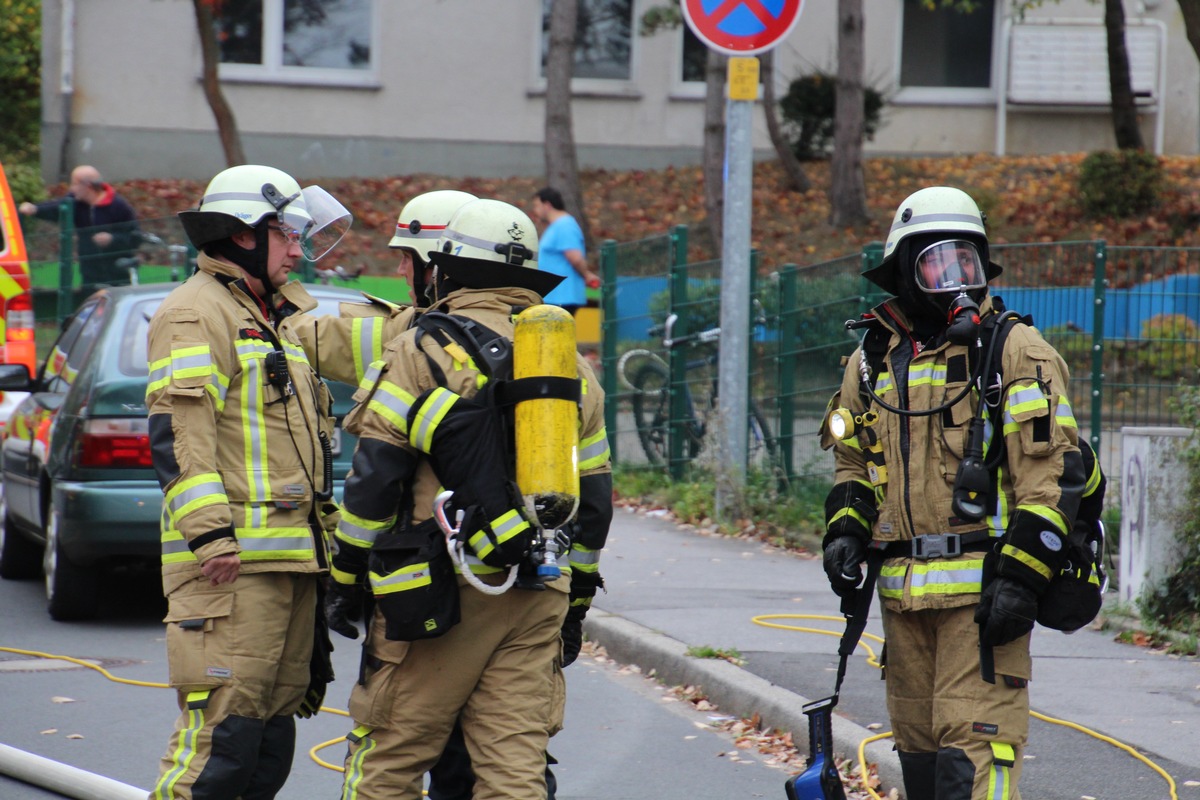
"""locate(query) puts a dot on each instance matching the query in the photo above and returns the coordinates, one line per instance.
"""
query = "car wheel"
(18, 556)
(70, 589)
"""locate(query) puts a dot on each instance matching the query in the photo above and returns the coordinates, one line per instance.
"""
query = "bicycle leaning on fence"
(646, 375)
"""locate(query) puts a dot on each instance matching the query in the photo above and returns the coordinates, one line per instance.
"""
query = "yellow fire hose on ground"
(872, 659)
(766, 620)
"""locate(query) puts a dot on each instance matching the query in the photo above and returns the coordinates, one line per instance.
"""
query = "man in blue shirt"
(561, 250)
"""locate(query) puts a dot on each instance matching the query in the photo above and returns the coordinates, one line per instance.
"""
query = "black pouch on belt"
(413, 581)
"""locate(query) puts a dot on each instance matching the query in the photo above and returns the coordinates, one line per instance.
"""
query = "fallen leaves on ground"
(1026, 198)
(776, 747)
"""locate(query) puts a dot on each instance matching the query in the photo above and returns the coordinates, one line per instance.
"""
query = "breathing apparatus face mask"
(952, 265)
(951, 279)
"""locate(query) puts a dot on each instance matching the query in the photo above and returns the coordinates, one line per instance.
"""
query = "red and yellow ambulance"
(17, 345)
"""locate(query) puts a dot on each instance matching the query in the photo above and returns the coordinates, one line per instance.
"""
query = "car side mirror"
(15, 378)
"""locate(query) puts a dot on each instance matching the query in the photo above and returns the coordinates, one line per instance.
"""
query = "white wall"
(1152, 483)
(457, 92)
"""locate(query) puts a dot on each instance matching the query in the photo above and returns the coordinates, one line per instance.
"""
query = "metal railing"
(1125, 319)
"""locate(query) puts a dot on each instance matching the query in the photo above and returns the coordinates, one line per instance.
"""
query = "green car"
(78, 493)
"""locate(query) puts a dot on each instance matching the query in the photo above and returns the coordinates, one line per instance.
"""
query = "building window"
(296, 39)
(603, 36)
(947, 49)
(695, 57)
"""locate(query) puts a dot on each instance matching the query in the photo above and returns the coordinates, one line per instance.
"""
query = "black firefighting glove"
(572, 634)
(1006, 612)
(320, 665)
(344, 607)
(844, 556)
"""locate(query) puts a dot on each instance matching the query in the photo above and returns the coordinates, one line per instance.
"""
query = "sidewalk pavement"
(670, 588)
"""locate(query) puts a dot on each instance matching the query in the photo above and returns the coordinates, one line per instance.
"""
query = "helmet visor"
(330, 221)
(953, 265)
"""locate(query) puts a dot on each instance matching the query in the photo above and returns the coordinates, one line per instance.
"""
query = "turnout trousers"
(498, 671)
(958, 737)
(239, 660)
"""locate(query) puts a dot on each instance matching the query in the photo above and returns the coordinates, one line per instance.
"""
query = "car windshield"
(133, 344)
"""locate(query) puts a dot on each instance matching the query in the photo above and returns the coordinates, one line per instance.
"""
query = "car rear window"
(133, 342)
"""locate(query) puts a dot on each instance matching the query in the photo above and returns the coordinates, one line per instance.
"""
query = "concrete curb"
(732, 688)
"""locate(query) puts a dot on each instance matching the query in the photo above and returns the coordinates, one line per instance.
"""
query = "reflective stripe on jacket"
(233, 450)
(342, 347)
(911, 462)
(390, 388)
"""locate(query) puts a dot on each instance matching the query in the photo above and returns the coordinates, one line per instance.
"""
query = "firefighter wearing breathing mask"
(494, 662)
(957, 568)
(237, 416)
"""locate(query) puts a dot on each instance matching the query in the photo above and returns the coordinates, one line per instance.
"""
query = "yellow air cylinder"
(547, 429)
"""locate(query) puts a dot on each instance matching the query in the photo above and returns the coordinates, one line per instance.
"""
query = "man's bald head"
(86, 183)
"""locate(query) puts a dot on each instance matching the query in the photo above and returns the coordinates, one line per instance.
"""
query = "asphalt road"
(706, 590)
(624, 738)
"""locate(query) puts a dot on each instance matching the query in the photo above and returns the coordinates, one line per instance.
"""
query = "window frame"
(273, 70)
(949, 95)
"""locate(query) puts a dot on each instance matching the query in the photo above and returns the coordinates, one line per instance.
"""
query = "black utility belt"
(936, 545)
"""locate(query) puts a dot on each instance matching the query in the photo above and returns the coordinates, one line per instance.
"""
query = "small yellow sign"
(743, 78)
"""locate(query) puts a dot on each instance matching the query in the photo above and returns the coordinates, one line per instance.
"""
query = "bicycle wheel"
(652, 414)
(652, 410)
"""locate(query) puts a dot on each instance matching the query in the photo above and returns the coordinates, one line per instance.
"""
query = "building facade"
(332, 88)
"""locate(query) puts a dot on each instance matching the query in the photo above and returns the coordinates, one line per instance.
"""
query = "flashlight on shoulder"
(845, 424)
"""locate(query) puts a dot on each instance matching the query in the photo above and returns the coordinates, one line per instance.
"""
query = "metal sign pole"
(739, 30)
(735, 287)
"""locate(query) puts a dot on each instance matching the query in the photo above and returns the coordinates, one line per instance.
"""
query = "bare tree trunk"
(714, 145)
(1191, 22)
(797, 180)
(847, 191)
(1124, 112)
(231, 140)
(562, 167)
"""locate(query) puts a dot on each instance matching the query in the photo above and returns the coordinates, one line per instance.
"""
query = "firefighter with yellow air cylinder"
(480, 635)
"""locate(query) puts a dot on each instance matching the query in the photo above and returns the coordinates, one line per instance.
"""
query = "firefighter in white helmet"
(420, 225)
(964, 546)
(430, 416)
(236, 417)
(343, 346)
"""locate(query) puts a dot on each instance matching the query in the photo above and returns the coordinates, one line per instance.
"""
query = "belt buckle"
(936, 545)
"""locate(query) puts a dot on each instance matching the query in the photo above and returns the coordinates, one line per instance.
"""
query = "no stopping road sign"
(741, 27)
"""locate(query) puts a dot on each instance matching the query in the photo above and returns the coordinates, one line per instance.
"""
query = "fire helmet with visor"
(936, 250)
(244, 197)
(489, 244)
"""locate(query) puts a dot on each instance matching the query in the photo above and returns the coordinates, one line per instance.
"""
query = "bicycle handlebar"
(707, 336)
(701, 337)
